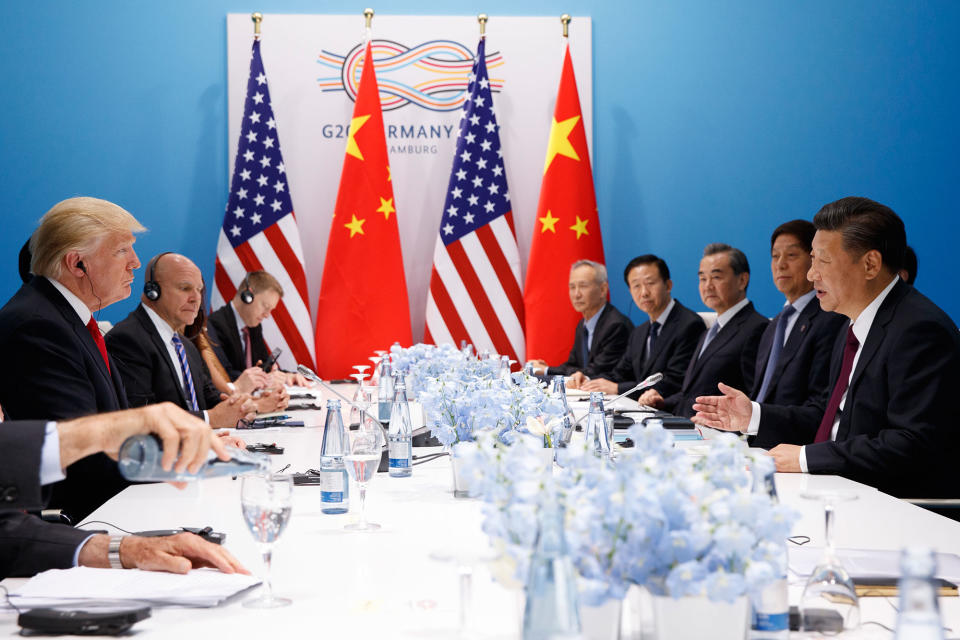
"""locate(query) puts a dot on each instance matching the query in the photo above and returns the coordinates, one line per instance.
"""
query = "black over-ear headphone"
(246, 293)
(151, 288)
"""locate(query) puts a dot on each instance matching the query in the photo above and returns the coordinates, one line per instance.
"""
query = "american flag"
(259, 228)
(475, 285)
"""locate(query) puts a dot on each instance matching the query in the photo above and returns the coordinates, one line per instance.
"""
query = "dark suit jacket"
(610, 338)
(897, 431)
(672, 351)
(27, 544)
(730, 358)
(803, 369)
(148, 373)
(57, 372)
(228, 343)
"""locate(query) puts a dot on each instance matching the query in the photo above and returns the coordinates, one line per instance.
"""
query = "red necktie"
(247, 351)
(98, 339)
(849, 352)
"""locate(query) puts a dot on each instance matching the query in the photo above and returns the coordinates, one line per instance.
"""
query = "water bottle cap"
(333, 403)
(918, 561)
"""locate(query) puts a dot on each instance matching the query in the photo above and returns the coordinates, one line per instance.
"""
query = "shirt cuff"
(50, 469)
(76, 554)
(754, 425)
(803, 459)
(206, 416)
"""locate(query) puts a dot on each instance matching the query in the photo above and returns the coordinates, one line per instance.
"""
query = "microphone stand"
(649, 382)
(308, 373)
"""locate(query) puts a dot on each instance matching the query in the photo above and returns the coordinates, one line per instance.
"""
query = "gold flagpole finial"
(565, 19)
(257, 18)
(482, 19)
(368, 15)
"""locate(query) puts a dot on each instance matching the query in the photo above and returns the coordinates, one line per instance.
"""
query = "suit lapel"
(597, 331)
(724, 335)
(233, 336)
(801, 329)
(763, 353)
(638, 363)
(161, 348)
(79, 329)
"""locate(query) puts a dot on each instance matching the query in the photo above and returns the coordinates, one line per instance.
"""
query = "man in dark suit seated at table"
(236, 330)
(665, 343)
(728, 350)
(33, 453)
(793, 361)
(82, 260)
(158, 364)
(889, 420)
(601, 336)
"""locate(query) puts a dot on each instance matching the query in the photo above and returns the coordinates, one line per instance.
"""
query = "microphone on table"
(308, 373)
(649, 382)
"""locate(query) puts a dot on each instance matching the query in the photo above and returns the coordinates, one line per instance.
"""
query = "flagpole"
(368, 16)
(482, 19)
(565, 19)
(257, 18)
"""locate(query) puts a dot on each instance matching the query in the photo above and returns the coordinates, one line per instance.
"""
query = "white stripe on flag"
(436, 324)
(461, 299)
(508, 244)
(493, 290)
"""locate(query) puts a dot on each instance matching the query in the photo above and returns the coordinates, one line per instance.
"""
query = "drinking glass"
(829, 586)
(362, 461)
(266, 503)
(358, 397)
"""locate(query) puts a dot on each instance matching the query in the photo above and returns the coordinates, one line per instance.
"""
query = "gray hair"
(738, 261)
(599, 269)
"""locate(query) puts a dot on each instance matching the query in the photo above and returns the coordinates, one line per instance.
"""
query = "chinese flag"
(567, 228)
(363, 294)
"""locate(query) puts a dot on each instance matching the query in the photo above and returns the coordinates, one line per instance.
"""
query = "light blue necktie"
(185, 368)
(714, 330)
(778, 340)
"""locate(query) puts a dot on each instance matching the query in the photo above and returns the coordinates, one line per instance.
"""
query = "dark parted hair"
(802, 230)
(647, 258)
(738, 260)
(866, 225)
(910, 264)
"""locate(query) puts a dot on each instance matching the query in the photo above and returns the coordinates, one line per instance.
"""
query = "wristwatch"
(113, 552)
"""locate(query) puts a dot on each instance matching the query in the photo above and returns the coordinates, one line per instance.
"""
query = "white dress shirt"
(78, 305)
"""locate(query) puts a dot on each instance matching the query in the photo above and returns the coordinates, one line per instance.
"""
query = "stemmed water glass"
(358, 397)
(829, 585)
(363, 459)
(266, 503)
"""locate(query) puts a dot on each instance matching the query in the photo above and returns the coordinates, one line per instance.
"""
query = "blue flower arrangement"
(463, 396)
(655, 517)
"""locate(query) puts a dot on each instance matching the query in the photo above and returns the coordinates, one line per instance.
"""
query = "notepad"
(105, 587)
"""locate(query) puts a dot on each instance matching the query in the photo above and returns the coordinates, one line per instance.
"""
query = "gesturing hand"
(729, 412)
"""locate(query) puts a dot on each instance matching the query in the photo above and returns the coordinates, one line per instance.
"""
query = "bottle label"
(331, 487)
(770, 621)
(399, 463)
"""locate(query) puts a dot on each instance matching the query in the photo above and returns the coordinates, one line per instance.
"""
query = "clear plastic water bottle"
(919, 617)
(334, 485)
(139, 461)
(400, 436)
(505, 369)
(559, 391)
(385, 389)
(551, 607)
(597, 436)
(770, 609)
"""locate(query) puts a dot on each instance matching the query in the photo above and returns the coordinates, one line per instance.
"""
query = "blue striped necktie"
(185, 368)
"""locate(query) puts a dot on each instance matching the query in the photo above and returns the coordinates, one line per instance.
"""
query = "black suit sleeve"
(134, 362)
(623, 373)
(57, 374)
(922, 372)
(29, 545)
(21, 444)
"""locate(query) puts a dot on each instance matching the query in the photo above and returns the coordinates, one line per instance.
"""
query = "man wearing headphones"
(58, 364)
(236, 331)
(157, 363)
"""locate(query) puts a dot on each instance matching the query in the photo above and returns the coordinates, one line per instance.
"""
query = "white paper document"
(87, 586)
(868, 563)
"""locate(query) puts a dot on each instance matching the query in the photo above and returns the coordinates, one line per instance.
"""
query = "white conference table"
(395, 581)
